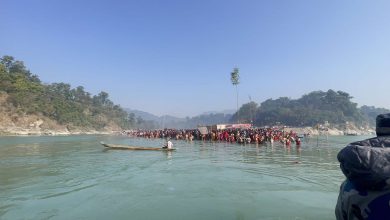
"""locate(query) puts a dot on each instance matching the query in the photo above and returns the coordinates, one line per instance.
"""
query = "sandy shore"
(329, 131)
(39, 132)
(35, 126)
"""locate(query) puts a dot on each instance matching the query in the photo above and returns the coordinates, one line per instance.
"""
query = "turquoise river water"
(74, 177)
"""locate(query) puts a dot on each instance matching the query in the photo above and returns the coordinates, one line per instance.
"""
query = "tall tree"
(235, 78)
(246, 112)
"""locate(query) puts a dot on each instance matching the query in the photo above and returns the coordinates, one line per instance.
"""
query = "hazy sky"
(175, 57)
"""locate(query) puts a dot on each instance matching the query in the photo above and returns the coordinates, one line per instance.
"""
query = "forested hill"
(23, 94)
(309, 110)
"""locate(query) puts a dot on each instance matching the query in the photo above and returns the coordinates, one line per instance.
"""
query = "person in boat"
(365, 194)
(168, 145)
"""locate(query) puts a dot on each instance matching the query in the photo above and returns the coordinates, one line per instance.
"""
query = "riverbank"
(29, 132)
(40, 126)
(330, 131)
(17, 131)
(15, 122)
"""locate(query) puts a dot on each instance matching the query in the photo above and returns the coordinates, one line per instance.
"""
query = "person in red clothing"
(298, 141)
(226, 136)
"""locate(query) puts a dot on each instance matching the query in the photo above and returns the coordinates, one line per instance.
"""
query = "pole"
(318, 130)
(238, 114)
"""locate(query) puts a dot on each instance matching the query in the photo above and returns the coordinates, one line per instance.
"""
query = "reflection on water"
(76, 178)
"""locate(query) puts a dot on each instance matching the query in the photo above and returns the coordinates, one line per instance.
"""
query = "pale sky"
(175, 57)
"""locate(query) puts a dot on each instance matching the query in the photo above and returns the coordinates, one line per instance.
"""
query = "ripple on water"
(73, 189)
(4, 209)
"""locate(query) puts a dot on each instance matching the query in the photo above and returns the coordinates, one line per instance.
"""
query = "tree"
(7, 61)
(235, 78)
(5, 79)
(101, 99)
(246, 112)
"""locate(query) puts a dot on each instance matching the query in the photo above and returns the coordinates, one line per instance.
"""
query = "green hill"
(309, 110)
(57, 104)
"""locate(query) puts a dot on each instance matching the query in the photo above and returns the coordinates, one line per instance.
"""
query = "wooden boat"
(127, 147)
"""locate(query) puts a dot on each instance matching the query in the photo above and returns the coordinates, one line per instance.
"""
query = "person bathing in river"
(168, 145)
(365, 194)
(298, 141)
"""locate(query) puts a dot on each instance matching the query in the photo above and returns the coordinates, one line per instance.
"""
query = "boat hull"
(127, 147)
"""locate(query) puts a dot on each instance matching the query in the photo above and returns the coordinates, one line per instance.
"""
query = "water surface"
(74, 177)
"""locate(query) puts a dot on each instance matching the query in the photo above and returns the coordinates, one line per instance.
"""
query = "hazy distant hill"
(168, 121)
(159, 121)
(370, 113)
(142, 114)
(227, 112)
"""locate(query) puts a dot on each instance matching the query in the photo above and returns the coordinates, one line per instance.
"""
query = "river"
(74, 177)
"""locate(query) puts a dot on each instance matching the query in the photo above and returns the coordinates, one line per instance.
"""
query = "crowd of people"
(242, 136)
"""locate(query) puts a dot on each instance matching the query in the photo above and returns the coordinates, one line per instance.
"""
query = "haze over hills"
(149, 116)
(226, 111)
(144, 115)
(168, 121)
